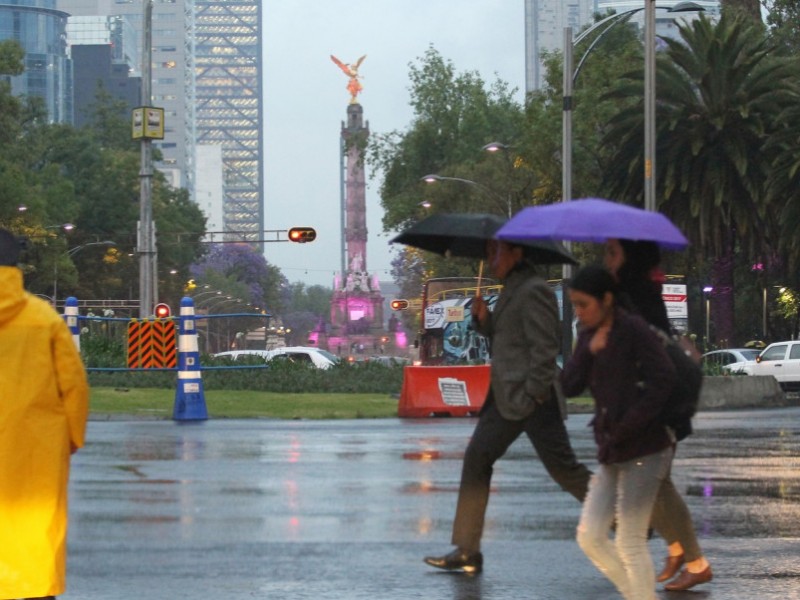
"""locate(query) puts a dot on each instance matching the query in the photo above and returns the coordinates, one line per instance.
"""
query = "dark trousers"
(672, 520)
(492, 437)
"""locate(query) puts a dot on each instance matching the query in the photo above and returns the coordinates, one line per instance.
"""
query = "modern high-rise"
(105, 54)
(41, 31)
(206, 75)
(545, 21)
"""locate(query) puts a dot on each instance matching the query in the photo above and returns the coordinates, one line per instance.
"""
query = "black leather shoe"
(458, 560)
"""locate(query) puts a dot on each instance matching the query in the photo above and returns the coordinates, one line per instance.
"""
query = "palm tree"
(719, 91)
(784, 181)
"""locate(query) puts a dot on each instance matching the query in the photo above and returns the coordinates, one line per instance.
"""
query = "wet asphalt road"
(347, 509)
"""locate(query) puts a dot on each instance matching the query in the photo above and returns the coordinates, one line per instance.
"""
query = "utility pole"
(566, 189)
(650, 105)
(146, 238)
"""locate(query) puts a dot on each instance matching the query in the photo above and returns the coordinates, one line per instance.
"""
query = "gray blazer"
(525, 340)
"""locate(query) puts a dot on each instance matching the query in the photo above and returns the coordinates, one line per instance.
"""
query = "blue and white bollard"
(71, 318)
(190, 399)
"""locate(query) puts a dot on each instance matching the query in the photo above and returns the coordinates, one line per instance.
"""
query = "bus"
(447, 336)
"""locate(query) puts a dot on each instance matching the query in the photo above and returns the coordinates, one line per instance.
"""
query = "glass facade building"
(41, 31)
(206, 75)
(227, 103)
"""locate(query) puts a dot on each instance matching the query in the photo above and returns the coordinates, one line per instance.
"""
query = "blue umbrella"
(592, 220)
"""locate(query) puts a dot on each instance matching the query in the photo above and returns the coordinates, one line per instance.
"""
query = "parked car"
(242, 354)
(316, 357)
(781, 360)
(732, 360)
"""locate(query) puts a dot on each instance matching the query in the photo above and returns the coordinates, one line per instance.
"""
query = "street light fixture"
(433, 178)
(65, 226)
(495, 147)
(196, 297)
(72, 252)
(571, 77)
(707, 291)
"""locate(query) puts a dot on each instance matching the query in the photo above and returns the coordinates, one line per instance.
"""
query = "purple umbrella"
(592, 220)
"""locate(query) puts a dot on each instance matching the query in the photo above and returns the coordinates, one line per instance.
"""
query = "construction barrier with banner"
(455, 391)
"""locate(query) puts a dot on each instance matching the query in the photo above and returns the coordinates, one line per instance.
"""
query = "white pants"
(625, 491)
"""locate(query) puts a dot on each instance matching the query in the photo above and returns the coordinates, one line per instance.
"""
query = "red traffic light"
(163, 311)
(399, 304)
(302, 235)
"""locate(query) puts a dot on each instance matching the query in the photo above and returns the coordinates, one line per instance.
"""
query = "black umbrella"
(466, 234)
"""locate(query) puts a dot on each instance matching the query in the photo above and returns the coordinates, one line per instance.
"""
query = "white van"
(782, 360)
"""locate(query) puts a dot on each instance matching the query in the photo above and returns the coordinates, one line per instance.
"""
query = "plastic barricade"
(454, 391)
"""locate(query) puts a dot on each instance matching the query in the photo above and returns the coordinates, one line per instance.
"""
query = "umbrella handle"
(480, 278)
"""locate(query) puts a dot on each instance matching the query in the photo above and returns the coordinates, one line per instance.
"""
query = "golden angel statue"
(351, 70)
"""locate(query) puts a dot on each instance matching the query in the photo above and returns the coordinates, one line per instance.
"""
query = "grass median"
(157, 403)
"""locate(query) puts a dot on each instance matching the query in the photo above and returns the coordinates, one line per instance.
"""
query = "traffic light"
(163, 311)
(399, 304)
(302, 235)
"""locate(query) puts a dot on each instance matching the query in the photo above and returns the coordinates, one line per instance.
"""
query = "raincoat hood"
(12, 296)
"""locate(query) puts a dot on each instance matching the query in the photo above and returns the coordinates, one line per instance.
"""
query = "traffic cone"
(190, 399)
(71, 318)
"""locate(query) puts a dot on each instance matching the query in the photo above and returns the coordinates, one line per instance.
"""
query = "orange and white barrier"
(454, 391)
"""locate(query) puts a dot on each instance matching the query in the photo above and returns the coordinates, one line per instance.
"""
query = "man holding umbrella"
(524, 331)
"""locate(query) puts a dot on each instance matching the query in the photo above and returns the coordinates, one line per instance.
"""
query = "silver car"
(732, 360)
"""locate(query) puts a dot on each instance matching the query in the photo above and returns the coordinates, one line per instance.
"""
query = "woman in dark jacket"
(635, 265)
(624, 364)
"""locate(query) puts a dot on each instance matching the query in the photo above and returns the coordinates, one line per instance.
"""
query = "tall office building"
(226, 107)
(206, 75)
(104, 53)
(41, 31)
(545, 21)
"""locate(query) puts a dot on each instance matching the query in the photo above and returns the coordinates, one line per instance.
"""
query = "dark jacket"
(525, 340)
(643, 297)
(630, 380)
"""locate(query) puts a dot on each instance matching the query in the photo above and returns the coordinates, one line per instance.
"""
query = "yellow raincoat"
(44, 402)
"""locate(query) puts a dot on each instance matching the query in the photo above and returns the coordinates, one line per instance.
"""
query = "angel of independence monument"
(356, 323)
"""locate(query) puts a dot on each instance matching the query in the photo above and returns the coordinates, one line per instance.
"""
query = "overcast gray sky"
(305, 102)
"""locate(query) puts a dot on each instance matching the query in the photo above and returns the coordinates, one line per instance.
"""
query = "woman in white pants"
(624, 364)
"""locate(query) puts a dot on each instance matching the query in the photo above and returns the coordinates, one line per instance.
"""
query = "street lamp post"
(650, 105)
(433, 178)
(197, 297)
(707, 291)
(566, 192)
(72, 252)
(494, 148)
(570, 78)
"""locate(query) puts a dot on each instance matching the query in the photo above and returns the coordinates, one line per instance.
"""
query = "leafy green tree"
(88, 177)
(304, 308)
(750, 9)
(719, 91)
(455, 116)
(783, 20)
